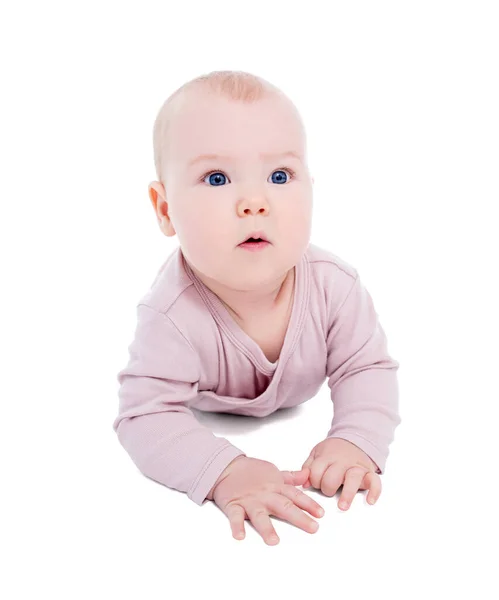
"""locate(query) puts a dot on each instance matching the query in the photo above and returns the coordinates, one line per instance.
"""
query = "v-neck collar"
(240, 338)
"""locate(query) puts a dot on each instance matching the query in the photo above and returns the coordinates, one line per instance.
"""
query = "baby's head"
(214, 204)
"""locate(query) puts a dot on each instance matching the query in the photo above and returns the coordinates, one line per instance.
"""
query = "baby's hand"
(255, 489)
(336, 461)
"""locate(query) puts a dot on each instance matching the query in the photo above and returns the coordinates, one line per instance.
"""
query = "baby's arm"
(154, 424)
(362, 376)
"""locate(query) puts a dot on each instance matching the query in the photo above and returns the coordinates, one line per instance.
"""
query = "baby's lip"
(255, 235)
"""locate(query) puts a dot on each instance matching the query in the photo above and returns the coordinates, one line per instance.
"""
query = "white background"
(400, 101)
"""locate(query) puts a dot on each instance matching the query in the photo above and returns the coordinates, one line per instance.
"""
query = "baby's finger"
(236, 515)
(373, 484)
(283, 506)
(302, 500)
(260, 518)
(317, 470)
(332, 479)
(353, 479)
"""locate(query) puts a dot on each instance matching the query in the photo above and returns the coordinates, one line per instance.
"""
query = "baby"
(246, 316)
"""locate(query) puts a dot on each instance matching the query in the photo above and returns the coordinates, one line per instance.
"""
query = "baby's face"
(216, 203)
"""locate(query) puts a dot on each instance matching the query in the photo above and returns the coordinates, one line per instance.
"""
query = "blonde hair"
(239, 86)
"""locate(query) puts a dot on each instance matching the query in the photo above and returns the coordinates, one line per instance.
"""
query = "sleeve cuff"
(366, 446)
(212, 471)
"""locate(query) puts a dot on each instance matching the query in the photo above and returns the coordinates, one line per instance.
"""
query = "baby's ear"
(166, 227)
(157, 197)
(154, 190)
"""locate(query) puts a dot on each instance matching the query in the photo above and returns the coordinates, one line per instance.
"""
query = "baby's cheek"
(198, 228)
(298, 226)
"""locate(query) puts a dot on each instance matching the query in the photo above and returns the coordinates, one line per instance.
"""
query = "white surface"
(400, 101)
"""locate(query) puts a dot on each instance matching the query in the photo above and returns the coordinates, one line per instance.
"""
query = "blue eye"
(216, 178)
(280, 178)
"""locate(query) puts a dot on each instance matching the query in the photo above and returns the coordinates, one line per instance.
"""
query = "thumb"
(295, 477)
(309, 461)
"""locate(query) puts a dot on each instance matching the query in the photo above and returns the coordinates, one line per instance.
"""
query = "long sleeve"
(362, 377)
(154, 424)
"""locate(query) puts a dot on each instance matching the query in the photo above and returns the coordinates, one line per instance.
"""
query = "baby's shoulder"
(174, 295)
(328, 267)
(169, 286)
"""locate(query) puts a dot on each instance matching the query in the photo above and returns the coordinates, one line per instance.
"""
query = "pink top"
(188, 351)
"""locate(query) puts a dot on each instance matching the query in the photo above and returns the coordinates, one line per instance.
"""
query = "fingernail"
(320, 512)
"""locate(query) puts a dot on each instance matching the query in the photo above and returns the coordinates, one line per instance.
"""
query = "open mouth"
(254, 244)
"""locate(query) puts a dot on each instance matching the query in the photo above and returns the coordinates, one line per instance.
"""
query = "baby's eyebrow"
(202, 157)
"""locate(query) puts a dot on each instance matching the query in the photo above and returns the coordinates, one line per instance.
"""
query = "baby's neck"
(261, 305)
(248, 307)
